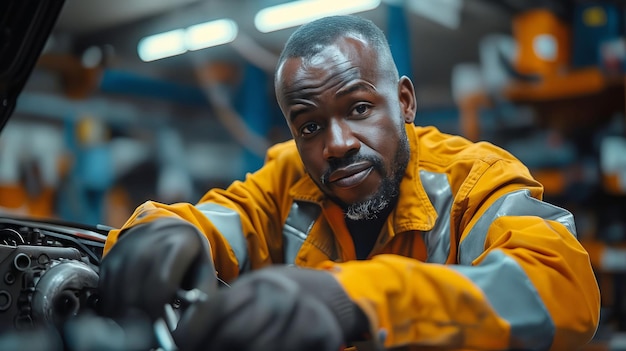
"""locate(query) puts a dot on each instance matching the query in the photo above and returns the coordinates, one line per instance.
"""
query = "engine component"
(43, 286)
(48, 272)
(66, 288)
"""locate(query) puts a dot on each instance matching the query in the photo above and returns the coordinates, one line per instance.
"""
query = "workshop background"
(114, 114)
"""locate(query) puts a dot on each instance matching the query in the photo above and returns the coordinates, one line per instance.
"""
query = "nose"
(340, 140)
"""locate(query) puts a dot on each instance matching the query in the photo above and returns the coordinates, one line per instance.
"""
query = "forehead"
(345, 57)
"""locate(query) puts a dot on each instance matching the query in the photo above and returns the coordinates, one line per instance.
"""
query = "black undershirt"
(365, 232)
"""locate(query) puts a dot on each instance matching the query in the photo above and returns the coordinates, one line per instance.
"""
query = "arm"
(485, 306)
(242, 223)
(508, 298)
(521, 280)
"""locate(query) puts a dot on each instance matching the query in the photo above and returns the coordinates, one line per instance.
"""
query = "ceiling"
(120, 24)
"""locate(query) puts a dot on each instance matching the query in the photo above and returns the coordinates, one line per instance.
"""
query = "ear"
(406, 96)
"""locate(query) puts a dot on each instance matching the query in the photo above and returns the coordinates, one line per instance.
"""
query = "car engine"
(48, 271)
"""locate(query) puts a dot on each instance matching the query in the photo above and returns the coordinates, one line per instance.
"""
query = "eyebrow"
(293, 115)
(358, 86)
(355, 87)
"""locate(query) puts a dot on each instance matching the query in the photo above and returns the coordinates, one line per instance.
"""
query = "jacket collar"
(414, 211)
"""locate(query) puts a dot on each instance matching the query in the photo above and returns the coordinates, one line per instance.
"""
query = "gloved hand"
(278, 309)
(150, 264)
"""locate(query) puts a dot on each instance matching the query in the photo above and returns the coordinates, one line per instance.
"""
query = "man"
(417, 238)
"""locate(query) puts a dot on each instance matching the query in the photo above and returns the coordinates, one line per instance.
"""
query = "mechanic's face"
(346, 112)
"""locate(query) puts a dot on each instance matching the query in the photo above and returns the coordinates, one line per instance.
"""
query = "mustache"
(337, 163)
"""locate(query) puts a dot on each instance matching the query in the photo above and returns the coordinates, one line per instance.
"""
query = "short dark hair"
(310, 38)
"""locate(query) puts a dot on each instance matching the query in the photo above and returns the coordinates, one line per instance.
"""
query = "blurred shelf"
(579, 100)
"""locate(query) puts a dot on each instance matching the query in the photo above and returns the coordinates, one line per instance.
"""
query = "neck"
(365, 232)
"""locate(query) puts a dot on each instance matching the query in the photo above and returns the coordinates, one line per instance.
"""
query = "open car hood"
(24, 29)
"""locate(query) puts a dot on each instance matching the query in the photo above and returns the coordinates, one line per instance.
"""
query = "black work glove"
(278, 309)
(152, 263)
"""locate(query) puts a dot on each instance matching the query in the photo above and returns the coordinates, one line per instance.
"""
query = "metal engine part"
(66, 288)
(48, 272)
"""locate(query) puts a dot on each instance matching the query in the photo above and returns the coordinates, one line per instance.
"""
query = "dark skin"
(346, 109)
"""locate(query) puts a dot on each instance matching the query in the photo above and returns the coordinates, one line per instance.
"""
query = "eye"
(310, 128)
(361, 109)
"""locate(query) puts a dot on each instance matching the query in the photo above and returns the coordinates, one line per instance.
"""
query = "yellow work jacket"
(470, 258)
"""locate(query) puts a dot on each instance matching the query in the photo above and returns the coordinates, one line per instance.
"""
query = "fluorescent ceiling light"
(162, 45)
(209, 34)
(179, 41)
(295, 13)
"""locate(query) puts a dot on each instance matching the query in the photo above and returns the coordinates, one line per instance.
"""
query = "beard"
(389, 189)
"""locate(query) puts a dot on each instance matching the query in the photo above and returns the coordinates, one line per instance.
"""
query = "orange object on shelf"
(543, 43)
(572, 84)
(16, 200)
(543, 57)
(469, 118)
(613, 184)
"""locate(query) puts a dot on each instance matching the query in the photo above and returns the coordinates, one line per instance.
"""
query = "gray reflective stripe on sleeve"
(299, 222)
(437, 240)
(517, 203)
(228, 222)
(514, 298)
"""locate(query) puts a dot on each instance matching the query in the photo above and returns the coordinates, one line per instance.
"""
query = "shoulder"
(283, 158)
(468, 164)
(442, 148)
(285, 149)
